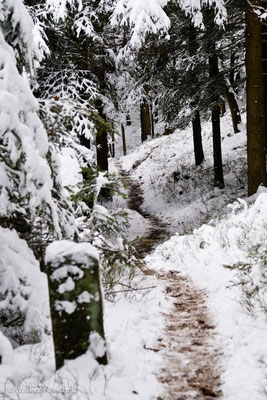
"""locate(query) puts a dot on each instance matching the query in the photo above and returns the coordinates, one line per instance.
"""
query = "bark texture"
(197, 138)
(196, 123)
(234, 109)
(255, 100)
(264, 70)
(101, 141)
(216, 129)
(145, 120)
(152, 119)
(217, 151)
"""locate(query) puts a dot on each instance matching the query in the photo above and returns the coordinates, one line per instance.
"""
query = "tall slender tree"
(196, 123)
(255, 98)
(145, 115)
(215, 112)
(264, 68)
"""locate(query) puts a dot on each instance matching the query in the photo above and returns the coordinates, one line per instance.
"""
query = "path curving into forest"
(192, 356)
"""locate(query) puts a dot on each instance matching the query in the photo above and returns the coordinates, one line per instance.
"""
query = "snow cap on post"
(59, 251)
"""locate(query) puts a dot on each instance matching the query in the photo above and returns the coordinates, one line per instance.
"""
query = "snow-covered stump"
(75, 301)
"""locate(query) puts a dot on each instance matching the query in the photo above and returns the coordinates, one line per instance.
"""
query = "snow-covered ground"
(204, 256)
(230, 232)
(209, 236)
(177, 190)
(132, 328)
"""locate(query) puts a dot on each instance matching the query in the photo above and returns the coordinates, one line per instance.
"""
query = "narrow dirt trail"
(192, 357)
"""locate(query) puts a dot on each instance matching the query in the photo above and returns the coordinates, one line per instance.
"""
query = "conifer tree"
(255, 99)
(215, 112)
(79, 69)
(28, 193)
(33, 203)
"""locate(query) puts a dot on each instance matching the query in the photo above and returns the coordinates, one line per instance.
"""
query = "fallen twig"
(131, 290)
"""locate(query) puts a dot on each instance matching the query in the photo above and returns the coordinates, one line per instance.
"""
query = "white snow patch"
(67, 306)
(67, 286)
(70, 168)
(58, 251)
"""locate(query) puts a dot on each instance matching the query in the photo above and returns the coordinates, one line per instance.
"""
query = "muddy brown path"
(189, 347)
(158, 229)
(192, 356)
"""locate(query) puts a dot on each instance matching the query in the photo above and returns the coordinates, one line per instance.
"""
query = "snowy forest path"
(192, 356)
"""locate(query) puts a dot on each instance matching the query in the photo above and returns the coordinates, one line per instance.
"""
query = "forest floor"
(194, 324)
(189, 348)
(209, 329)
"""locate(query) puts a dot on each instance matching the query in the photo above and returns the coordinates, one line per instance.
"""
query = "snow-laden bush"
(25, 175)
(32, 199)
(17, 28)
(26, 190)
(24, 306)
(251, 272)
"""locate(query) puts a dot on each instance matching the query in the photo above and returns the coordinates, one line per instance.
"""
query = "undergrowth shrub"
(104, 228)
(251, 277)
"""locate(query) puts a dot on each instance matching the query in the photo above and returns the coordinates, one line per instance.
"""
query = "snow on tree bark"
(234, 109)
(75, 301)
(101, 140)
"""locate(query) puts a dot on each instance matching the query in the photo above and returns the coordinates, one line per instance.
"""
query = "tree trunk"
(197, 138)
(223, 108)
(233, 106)
(145, 120)
(196, 123)
(152, 119)
(216, 129)
(217, 151)
(102, 150)
(75, 301)
(123, 140)
(232, 71)
(101, 141)
(255, 100)
(85, 142)
(264, 70)
(112, 149)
